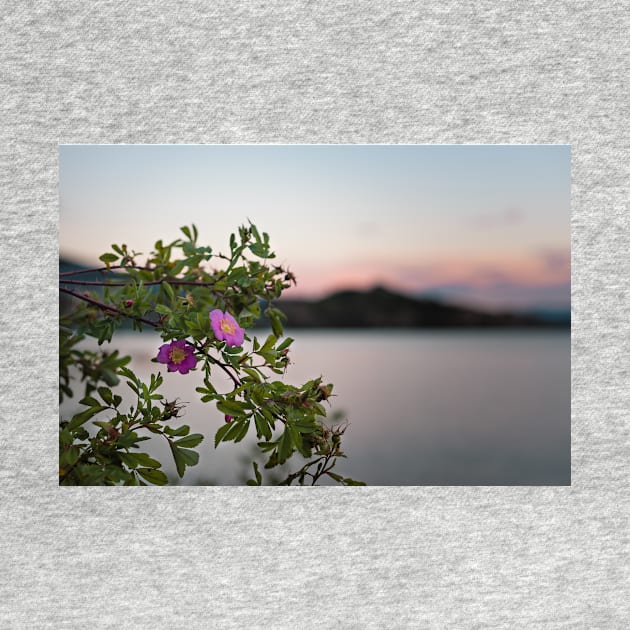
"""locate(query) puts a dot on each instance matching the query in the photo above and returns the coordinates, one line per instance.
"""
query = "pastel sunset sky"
(484, 225)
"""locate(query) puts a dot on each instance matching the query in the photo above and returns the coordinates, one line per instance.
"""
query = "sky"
(481, 225)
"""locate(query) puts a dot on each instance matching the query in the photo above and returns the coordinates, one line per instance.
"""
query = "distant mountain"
(382, 308)
(550, 315)
(378, 308)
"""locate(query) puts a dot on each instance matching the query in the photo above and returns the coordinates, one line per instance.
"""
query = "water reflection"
(425, 408)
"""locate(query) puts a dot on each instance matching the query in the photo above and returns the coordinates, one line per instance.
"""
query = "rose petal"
(163, 353)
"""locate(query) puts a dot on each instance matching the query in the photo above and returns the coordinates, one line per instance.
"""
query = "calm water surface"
(425, 407)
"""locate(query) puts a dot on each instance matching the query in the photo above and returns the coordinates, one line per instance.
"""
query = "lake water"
(424, 407)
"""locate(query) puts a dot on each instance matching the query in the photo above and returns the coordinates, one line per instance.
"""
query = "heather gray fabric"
(399, 72)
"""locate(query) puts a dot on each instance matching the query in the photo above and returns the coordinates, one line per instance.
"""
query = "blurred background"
(433, 290)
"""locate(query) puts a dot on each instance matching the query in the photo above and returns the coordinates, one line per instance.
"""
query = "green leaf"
(70, 456)
(266, 446)
(251, 372)
(276, 324)
(156, 477)
(352, 482)
(140, 459)
(258, 249)
(190, 441)
(271, 340)
(183, 430)
(203, 322)
(235, 429)
(297, 440)
(90, 402)
(128, 439)
(232, 407)
(285, 447)
(257, 473)
(186, 232)
(108, 258)
(162, 309)
(285, 344)
(82, 418)
(144, 460)
(243, 431)
(304, 426)
(180, 464)
(262, 427)
(169, 291)
(106, 394)
(191, 458)
(254, 231)
(220, 434)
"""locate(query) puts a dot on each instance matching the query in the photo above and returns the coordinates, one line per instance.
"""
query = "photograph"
(315, 315)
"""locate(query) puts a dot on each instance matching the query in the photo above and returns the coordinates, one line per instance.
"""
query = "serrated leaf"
(133, 460)
(271, 340)
(156, 477)
(180, 463)
(191, 458)
(235, 429)
(183, 430)
(220, 434)
(243, 432)
(83, 417)
(89, 401)
(145, 460)
(232, 407)
(285, 448)
(190, 441)
(262, 428)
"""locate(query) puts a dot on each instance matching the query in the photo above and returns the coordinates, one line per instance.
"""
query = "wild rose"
(226, 328)
(178, 355)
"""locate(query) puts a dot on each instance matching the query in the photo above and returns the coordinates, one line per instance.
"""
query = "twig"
(174, 282)
(105, 307)
(102, 269)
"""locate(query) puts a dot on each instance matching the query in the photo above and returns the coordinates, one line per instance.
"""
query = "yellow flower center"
(177, 355)
(227, 327)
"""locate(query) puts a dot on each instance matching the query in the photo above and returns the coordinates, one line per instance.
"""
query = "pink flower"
(179, 356)
(228, 418)
(226, 328)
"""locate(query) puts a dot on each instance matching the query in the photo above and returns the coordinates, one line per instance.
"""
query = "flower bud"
(128, 303)
(228, 418)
